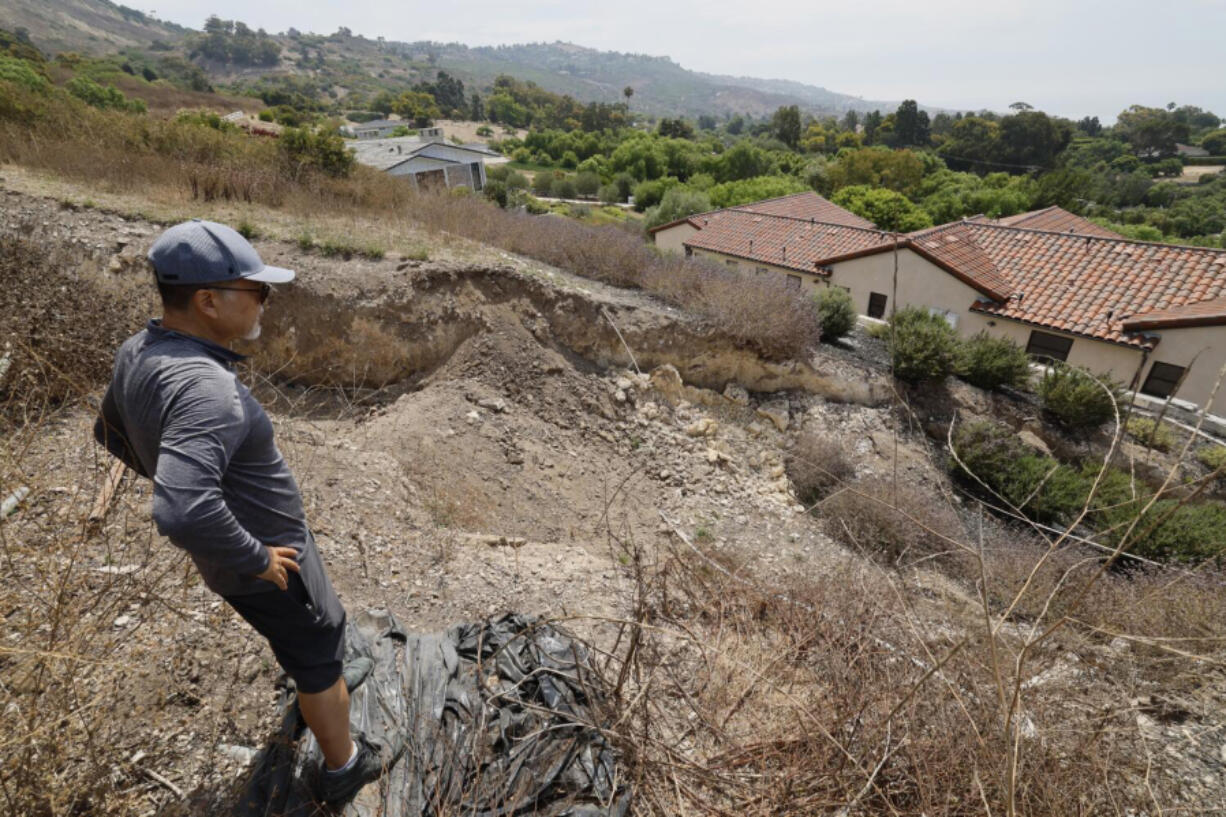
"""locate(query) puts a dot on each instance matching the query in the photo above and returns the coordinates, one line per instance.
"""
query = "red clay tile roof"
(1091, 286)
(808, 206)
(782, 241)
(1105, 288)
(1209, 312)
(1057, 220)
(953, 247)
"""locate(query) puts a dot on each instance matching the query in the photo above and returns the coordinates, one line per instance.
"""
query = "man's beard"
(254, 331)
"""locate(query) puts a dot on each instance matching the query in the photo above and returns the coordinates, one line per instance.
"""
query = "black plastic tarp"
(500, 718)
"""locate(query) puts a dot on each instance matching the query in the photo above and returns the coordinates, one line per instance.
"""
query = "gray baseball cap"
(205, 252)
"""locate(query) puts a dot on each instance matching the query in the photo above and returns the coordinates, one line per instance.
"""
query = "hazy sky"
(1069, 57)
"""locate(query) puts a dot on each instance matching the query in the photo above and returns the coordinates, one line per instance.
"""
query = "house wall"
(672, 239)
(808, 281)
(920, 283)
(1204, 350)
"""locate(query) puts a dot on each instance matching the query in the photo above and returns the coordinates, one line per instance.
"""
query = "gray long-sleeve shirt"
(176, 411)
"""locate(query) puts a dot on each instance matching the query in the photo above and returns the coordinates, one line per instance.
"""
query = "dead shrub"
(899, 524)
(829, 696)
(816, 464)
(64, 318)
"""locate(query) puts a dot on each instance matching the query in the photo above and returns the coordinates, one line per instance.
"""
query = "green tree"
(321, 150)
(885, 208)
(899, 170)
(417, 106)
(1215, 142)
(972, 144)
(678, 202)
(911, 125)
(1152, 132)
(872, 122)
(744, 191)
(1032, 138)
(785, 124)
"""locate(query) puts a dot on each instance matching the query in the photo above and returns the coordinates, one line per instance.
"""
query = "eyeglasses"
(265, 290)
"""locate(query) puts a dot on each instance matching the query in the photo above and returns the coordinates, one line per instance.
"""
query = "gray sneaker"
(337, 789)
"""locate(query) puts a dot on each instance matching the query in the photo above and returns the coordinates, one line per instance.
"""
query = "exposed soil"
(497, 446)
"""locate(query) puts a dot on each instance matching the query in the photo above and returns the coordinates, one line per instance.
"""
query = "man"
(176, 412)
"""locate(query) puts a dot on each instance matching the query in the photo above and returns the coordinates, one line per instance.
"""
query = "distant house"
(380, 128)
(1151, 315)
(429, 163)
(1191, 151)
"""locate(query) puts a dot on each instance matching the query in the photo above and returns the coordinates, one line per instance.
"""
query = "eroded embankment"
(401, 333)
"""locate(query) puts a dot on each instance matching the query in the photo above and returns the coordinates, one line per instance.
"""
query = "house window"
(730, 263)
(1163, 380)
(794, 281)
(476, 171)
(760, 270)
(876, 305)
(1048, 347)
(689, 251)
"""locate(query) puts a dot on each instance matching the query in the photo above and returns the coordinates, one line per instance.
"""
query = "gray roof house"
(431, 163)
(379, 128)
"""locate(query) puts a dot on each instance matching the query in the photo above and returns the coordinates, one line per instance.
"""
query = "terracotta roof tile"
(809, 206)
(1057, 220)
(784, 242)
(1209, 312)
(1091, 286)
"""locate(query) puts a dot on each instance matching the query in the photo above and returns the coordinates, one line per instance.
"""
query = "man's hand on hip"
(280, 560)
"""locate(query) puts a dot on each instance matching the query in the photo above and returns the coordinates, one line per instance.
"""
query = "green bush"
(1050, 492)
(836, 312)
(102, 96)
(20, 72)
(318, 149)
(1212, 457)
(923, 345)
(1076, 399)
(1151, 433)
(542, 183)
(564, 188)
(991, 362)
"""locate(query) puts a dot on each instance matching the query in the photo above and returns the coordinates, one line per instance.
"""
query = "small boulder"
(777, 413)
(737, 394)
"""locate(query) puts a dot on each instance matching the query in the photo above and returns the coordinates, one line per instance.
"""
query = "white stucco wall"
(672, 238)
(1204, 350)
(920, 283)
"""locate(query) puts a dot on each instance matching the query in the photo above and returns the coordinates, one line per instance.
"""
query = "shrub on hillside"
(898, 524)
(991, 362)
(816, 464)
(1077, 399)
(1212, 457)
(1150, 433)
(836, 312)
(318, 149)
(923, 345)
(542, 183)
(102, 96)
(1053, 493)
(677, 203)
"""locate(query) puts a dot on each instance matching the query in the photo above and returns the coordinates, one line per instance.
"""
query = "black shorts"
(304, 625)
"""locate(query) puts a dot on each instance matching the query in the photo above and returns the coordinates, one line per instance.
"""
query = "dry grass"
(122, 152)
(817, 464)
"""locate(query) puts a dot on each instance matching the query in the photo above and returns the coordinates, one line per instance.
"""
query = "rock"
(243, 754)
(667, 381)
(494, 404)
(737, 394)
(624, 384)
(123, 621)
(1031, 439)
(619, 396)
(702, 427)
(776, 412)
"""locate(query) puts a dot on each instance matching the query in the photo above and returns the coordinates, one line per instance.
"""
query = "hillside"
(340, 63)
(86, 26)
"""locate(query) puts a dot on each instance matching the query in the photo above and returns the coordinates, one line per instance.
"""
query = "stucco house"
(1151, 315)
